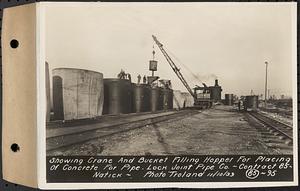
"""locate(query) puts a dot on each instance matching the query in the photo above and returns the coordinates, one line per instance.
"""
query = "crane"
(173, 66)
(197, 101)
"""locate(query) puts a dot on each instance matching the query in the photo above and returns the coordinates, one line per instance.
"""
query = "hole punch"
(14, 43)
(15, 147)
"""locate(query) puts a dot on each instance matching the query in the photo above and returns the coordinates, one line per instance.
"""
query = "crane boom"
(173, 66)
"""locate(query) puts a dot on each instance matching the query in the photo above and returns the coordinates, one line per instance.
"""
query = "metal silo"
(228, 99)
(170, 99)
(117, 96)
(161, 99)
(188, 99)
(215, 92)
(178, 99)
(251, 102)
(156, 99)
(167, 95)
(141, 97)
(77, 93)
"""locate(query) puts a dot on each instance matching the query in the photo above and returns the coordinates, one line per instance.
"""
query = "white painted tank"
(182, 99)
(178, 99)
(77, 93)
(189, 100)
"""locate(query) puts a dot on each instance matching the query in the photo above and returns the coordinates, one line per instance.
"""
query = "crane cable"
(177, 59)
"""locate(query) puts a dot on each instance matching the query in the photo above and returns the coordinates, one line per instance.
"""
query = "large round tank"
(228, 99)
(117, 96)
(178, 99)
(251, 102)
(167, 95)
(141, 98)
(188, 99)
(77, 93)
(156, 99)
(170, 99)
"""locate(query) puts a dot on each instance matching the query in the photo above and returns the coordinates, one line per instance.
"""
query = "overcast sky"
(228, 41)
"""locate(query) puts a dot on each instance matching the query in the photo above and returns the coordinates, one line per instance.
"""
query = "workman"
(129, 77)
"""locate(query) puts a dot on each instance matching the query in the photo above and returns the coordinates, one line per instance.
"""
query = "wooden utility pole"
(266, 84)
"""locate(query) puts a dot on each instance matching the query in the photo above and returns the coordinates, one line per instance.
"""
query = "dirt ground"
(218, 131)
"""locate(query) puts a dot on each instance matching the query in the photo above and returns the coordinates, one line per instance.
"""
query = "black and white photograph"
(173, 80)
(206, 84)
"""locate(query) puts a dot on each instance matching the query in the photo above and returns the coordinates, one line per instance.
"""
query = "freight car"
(251, 103)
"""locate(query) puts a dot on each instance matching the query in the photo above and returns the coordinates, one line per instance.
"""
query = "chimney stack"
(216, 82)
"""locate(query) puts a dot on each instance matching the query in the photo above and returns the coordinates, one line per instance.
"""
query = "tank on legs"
(77, 93)
(117, 96)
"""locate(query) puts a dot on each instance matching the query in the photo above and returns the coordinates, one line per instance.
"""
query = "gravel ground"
(218, 131)
(288, 121)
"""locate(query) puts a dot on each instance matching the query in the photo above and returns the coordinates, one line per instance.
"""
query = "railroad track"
(280, 130)
(65, 137)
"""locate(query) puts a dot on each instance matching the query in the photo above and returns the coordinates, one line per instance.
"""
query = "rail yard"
(91, 115)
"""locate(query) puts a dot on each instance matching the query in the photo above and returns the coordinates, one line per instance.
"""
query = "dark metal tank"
(156, 99)
(58, 105)
(141, 97)
(215, 92)
(117, 96)
(251, 102)
(170, 99)
(167, 98)
(228, 99)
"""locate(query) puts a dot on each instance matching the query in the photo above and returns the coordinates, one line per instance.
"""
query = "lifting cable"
(189, 70)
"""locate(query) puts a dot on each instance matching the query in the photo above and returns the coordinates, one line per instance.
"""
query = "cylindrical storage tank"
(156, 99)
(141, 97)
(165, 94)
(167, 98)
(117, 96)
(171, 95)
(228, 99)
(215, 93)
(178, 99)
(189, 100)
(251, 102)
(77, 93)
